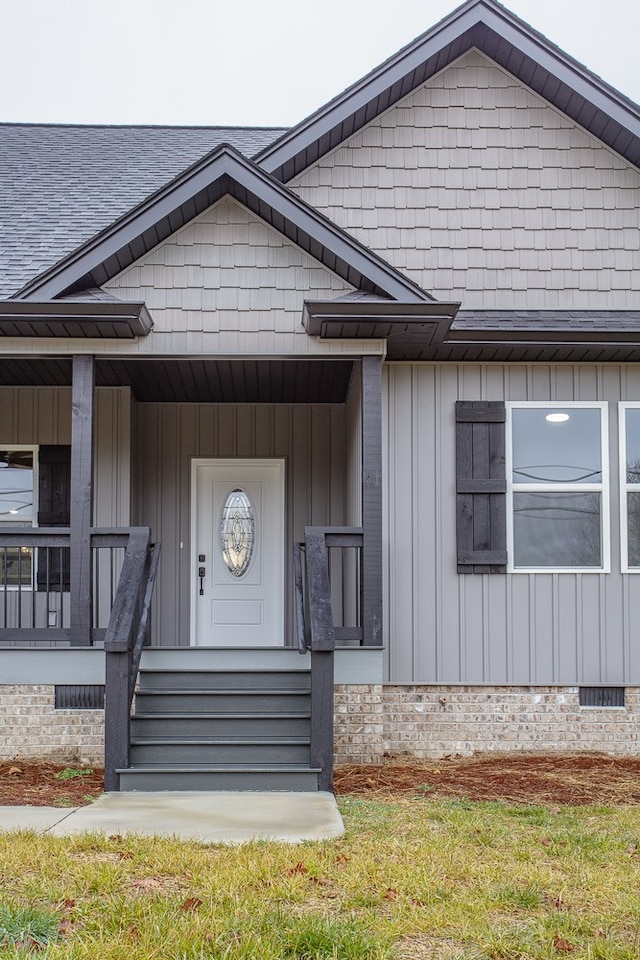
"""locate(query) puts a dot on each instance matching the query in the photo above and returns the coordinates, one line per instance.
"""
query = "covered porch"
(141, 423)
(135, 427)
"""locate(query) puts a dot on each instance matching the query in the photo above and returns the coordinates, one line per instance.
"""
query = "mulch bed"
(520, 778)
(517, 778)
(35, 784)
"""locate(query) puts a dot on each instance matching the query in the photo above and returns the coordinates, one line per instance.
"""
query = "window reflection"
(557, 486)
(16, 508)
(567, 451)
(557, 529)
(16, 486)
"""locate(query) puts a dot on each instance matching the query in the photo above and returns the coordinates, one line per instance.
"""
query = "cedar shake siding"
(480, 191)
(229, 284)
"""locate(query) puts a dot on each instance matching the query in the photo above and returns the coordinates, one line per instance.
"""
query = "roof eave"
(427, 323)
(224, 172)
(491, 28)
(74, 319)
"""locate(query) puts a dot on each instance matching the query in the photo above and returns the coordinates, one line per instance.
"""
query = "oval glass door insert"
(237, 532)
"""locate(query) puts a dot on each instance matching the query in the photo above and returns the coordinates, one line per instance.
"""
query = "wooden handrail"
(317, 633)
(61, 536)
(125, 637)
(142, 634)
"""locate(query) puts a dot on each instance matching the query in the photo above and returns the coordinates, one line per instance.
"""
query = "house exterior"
(415, 315)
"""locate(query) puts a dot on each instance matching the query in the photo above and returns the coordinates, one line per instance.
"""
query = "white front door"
(237, 542)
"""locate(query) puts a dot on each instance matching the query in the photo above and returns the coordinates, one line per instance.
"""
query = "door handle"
(201, 574)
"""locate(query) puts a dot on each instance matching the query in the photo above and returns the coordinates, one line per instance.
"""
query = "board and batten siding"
(42, 415)
(311, 439)
(446, 627)
(480, 191)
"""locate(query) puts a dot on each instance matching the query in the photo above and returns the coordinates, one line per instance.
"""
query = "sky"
(248, 62)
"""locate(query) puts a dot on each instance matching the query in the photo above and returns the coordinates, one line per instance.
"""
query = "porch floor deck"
(209, 817)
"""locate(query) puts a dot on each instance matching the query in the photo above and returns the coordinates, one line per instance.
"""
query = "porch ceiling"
(196, 380)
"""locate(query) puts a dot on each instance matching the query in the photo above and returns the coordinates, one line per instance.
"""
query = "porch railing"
(35, 605)
(35, 584)
(316, 628)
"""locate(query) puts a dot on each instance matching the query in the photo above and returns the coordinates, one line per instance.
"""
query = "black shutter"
(481, 486)
(54, 509)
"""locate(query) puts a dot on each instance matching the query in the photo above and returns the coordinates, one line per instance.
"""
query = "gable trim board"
(502, 36)
(222, 172)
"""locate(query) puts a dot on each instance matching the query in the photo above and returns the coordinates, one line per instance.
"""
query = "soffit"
(495, 31)
(196, 380)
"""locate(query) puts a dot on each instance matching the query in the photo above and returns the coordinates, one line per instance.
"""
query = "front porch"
(87, 588)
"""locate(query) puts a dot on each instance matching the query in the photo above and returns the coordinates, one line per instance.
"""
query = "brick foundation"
(371, 720)
(30, 727)
(435, 721)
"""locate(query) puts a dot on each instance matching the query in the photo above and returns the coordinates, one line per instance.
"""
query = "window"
(557, 490)
(17, 509)
(630, 486)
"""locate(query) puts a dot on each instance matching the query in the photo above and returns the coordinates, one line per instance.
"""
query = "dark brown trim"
(79, 319)
(223, 172)
(425, 323)
(371, 372)
(82, 440)
(500, 35)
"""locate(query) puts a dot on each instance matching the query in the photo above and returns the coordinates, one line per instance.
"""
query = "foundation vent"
(601, 696)
(80, 697)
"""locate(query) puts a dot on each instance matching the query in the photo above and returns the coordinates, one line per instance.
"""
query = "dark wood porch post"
(372, 501)
(82, 424)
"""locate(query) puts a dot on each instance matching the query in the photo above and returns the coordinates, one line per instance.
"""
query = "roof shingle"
(63, 184)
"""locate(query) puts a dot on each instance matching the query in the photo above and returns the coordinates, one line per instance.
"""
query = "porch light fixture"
(557, 417)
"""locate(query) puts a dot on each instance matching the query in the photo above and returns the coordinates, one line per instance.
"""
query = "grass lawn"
(418, 878)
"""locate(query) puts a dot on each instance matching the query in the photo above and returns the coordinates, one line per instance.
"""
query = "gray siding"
(500, 628)
(229, 284)
(479, 190)
(354, 449)
(311, 439)
(35, 415)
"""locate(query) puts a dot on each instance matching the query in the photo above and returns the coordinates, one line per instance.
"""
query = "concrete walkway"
(210, 817)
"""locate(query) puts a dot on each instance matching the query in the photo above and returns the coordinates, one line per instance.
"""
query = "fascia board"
(108, 320)
(429, 321)
(363, 92)
(480, 14)
(224, 164)
(124, 231)
(567, 71)
(316, 226)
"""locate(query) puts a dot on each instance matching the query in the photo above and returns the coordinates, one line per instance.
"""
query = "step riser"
(258, 728)
(241, 717)
(147, 780)
(221, 702)
(224, 680)
(203, 658)
(209, 753)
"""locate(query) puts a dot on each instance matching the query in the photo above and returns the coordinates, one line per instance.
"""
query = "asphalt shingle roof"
(61, 185)
(580, 321)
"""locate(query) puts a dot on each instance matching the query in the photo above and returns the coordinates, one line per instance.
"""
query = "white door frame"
(239, 462)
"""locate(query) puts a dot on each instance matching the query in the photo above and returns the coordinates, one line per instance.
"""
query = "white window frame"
(601, 488)
(9, 522)
(625, 487)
